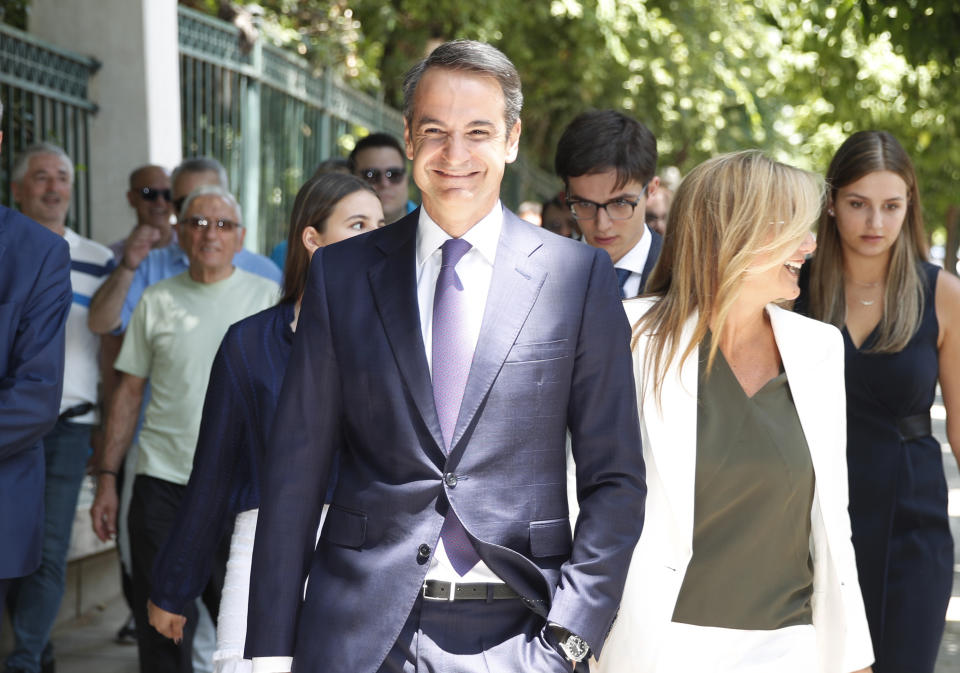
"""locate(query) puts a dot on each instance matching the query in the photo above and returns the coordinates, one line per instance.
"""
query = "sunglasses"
(200, 223)
(151, 194)
(393, 175)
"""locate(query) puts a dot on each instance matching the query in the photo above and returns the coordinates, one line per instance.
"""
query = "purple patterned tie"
(452, 355)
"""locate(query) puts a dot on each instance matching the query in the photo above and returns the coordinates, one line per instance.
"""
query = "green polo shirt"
(171, 340)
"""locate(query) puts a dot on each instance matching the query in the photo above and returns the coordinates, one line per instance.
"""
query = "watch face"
(575, 647)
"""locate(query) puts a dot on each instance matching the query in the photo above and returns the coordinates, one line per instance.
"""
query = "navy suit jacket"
(553, 353)
(35, 296)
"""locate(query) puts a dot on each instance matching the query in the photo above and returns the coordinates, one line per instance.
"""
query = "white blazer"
(813, 358)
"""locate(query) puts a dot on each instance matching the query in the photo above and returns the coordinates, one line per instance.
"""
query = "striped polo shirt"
(90, 264)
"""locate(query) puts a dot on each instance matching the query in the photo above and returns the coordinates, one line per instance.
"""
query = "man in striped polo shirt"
(42, 187)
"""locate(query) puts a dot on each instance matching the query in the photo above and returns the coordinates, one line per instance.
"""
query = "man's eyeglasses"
(393, 175)
(200, 223)
(151, 194)
(617, 209)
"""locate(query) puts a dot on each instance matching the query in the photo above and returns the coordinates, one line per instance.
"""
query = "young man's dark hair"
(603, 139)
(374, 140)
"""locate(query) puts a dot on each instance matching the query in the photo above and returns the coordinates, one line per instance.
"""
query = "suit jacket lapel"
(652, 255)
(671, 433)
(516, 283)
(394, 285)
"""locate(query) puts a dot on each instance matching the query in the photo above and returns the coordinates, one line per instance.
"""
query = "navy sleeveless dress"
(898, 495)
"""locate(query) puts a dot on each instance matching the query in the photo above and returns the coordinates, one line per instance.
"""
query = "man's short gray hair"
(202, 165)
(22, 163)
(1, 110)
(212, 190)
(474, 57)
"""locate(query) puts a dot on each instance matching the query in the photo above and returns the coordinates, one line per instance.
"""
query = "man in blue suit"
(35, 297)
(444, 358)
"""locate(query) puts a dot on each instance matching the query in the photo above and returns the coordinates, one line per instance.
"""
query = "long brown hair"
(313, 205)
(727, 211)
(863, 153)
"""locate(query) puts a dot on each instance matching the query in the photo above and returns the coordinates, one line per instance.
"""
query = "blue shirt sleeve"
(258, 264)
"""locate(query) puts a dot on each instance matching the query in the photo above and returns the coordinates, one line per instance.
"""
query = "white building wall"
(137, 89)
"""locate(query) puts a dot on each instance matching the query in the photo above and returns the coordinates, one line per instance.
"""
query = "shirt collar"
(636, 258)
(484, 235)
(71, 237)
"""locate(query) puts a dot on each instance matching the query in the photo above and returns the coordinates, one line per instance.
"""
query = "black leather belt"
(76, 410)
(435, 590)
(914, 427)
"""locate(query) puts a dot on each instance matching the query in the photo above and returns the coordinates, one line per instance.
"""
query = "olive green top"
(751, 566)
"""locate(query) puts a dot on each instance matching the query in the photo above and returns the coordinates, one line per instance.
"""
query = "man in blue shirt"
(139, 266)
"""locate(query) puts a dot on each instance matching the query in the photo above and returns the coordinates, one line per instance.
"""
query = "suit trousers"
(153, 510)
(496, 636)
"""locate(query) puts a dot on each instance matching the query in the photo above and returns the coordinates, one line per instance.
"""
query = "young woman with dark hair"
(900, 318)
(237, 417)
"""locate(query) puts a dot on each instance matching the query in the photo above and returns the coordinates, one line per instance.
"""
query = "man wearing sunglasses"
(378, 159)
(149, 196)
(171, 341)
(113, 304)
(608, 163)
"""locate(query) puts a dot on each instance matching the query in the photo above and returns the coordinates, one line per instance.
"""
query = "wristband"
(102, 472)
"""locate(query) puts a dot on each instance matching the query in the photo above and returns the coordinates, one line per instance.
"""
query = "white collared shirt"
(634, 261)
(475, 270)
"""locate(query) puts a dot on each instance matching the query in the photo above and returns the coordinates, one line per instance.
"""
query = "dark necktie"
(452, 355)
(622, 276)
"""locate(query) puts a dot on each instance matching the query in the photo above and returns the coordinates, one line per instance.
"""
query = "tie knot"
(453, 251)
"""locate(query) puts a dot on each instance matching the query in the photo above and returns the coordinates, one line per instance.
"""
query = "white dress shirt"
(475, 270)
(634, 261)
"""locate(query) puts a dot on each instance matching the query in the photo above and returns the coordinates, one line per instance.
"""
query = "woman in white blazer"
(745, 562)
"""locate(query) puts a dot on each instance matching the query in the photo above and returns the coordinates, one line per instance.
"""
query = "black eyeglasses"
(200, 223)
(151, 194)
(617, 209)
(393, 175)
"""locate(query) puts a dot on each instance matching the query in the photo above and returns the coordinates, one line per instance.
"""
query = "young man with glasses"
(378, 159)
(171, 341)
(608, 163)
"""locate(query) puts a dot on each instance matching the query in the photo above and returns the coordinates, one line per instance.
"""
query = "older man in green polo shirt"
(171, 341)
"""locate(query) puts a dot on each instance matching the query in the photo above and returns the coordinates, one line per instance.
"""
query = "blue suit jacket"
(553, 353)
(35, 296)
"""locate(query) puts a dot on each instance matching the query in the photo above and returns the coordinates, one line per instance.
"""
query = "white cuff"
(272, 664)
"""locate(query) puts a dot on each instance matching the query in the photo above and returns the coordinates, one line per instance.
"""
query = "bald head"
(149, 196)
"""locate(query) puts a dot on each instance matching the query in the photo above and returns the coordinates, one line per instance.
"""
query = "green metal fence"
(270, 119)
(44, 94)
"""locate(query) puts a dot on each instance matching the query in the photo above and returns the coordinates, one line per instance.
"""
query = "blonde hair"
(727, 211)
(863, 153)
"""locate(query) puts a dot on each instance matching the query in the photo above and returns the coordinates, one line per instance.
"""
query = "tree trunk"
(953, 239)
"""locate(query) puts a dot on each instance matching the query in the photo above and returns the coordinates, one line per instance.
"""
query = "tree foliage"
(789, 76)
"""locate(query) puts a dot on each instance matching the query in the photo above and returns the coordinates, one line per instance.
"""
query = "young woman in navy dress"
(237, 417)
(900, 318)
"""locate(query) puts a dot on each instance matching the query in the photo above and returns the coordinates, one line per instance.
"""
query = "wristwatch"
(573, 646)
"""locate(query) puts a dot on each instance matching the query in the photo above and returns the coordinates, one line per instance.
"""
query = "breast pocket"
(539, 351)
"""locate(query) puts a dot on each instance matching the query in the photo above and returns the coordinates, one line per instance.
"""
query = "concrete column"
(137, 89)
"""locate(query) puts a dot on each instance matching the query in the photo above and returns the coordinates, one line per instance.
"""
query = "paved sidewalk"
(85, 645)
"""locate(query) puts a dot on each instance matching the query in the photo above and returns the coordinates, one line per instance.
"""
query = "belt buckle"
(448, 599)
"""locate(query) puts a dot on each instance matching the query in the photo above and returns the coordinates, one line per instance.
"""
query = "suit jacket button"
(450, 479)
(423, 553)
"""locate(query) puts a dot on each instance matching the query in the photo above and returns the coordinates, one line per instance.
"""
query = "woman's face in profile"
(870, 213)
(773, 277)
(355, 213)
